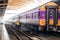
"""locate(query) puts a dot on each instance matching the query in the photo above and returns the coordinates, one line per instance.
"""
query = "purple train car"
(47, 17)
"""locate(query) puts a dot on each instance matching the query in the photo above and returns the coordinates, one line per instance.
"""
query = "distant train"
(47, 17)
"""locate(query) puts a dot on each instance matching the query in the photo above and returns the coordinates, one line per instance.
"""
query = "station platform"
(3, 33)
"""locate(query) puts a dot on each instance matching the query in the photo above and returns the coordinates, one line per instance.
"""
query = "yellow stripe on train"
(51, 22)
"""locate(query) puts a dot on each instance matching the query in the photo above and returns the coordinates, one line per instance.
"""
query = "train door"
(51, 18)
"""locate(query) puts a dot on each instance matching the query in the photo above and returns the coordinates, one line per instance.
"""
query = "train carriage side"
(30, 19)
(51, 21)
(58, 25)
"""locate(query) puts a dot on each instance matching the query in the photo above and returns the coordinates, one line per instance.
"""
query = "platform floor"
(0, 30)
(3, 33)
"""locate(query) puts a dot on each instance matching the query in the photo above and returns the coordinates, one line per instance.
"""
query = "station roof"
(20, 6)
(15, 4)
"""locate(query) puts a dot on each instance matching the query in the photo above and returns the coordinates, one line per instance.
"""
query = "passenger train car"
(46, 17)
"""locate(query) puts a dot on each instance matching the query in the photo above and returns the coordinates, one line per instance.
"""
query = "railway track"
(11, 34)
(18, 35)
(27, 36)
(45, 36)
(57, 34)
(21, 35)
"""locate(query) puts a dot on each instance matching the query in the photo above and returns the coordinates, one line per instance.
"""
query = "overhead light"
(10, 11)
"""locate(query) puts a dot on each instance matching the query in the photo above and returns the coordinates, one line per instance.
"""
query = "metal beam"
(4, 4)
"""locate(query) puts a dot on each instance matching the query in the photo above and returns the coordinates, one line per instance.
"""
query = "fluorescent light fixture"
(10, 11)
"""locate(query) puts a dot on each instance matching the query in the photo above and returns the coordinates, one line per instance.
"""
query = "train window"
(31, 16)
(27, 16)
(51, 11)
(34, 15)
(23, 17)
(39, 15)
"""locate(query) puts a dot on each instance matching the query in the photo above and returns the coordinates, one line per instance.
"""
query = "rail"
(22, 33)
(14, 33)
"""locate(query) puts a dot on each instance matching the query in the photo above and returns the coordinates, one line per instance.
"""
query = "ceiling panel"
(15, 4)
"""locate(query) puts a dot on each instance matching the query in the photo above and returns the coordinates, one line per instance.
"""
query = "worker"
(17, 24)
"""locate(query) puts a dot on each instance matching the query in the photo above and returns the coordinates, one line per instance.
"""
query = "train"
(44, 18)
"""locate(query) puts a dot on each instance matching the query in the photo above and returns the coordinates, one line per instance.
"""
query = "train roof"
(57, 1)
